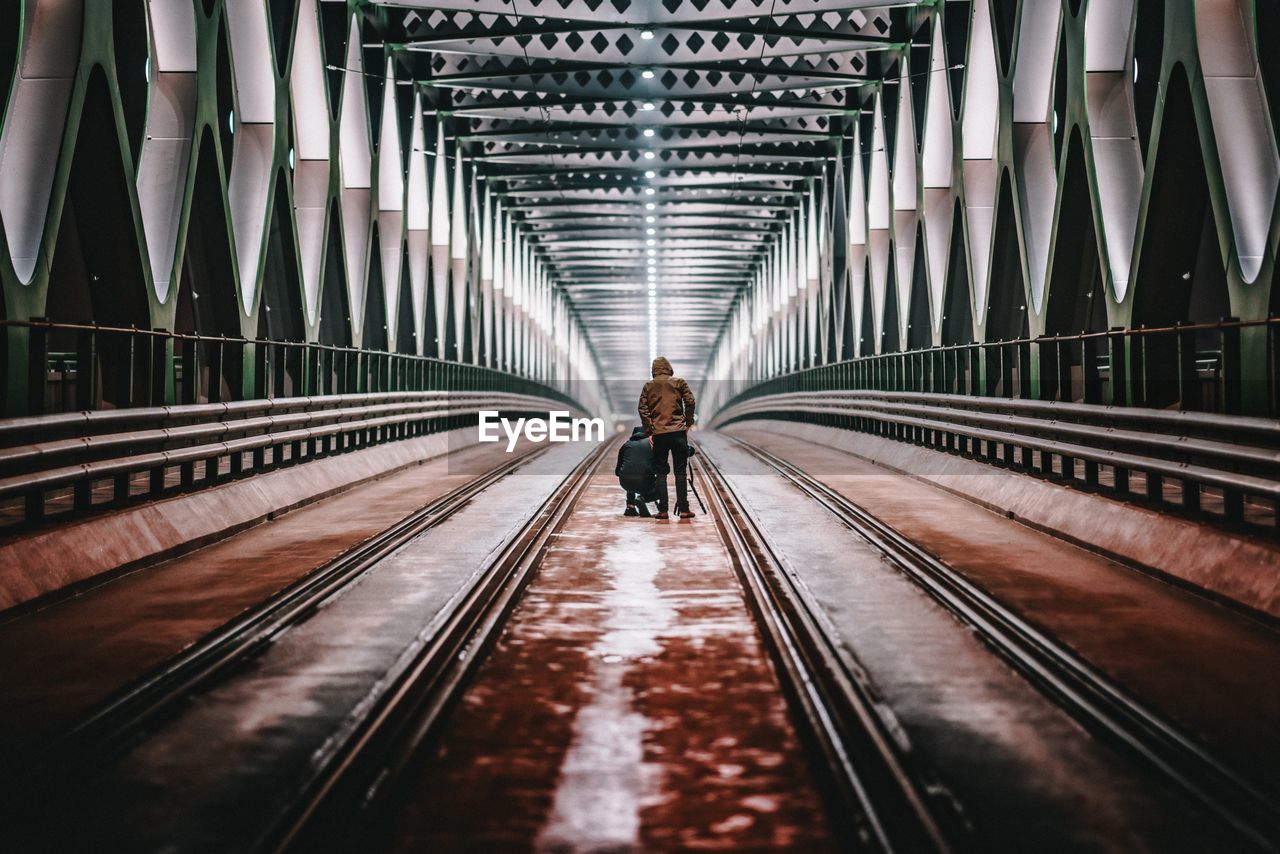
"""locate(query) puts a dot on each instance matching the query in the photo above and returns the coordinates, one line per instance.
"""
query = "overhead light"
(647, 74)
(650, 218)
(648, 131)
(650, 231)
(650, 241)
(649, 173)
(649, 206)
(649, 191)
(652, 252)
(647, 105)
(646, 34)
(649, 155)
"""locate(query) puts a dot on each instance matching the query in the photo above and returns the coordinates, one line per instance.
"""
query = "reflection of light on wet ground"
(602, 779)
(681, 740)
(638, 613)
(597, 802)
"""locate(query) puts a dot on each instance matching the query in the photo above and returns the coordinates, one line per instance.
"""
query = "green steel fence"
(74, 367)
(1192, 367)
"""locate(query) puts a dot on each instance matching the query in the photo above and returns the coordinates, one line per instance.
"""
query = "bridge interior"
(977, 300)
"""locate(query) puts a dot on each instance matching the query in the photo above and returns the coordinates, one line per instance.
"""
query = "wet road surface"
(628, 705)
(58, 662)
(1023, 774)
(1208, 668)
(218, 776)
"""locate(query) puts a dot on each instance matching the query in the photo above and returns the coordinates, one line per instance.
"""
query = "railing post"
(1119, 367)
(990, 375)
(216, 356)
(261, 354)
(190, 390)
(37, 368)
(1089, 355)
(1232, 369)
(1273, 368)
(1022, 352)
(86, 369)
(1188, 375)
(1048, 377)
(161, 360)
(977, 364)
(1062, 350)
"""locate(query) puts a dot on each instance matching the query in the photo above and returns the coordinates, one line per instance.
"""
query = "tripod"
(694, 489)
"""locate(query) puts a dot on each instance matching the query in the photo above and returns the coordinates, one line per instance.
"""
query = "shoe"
(643, 510)
(662, 515)
(631, 511)
(686, 514)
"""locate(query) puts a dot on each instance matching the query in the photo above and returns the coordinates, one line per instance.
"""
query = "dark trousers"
(675, 445)
(639, 490)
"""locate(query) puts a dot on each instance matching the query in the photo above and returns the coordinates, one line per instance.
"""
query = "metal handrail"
(1235, 468)
(1195, 374)
(128, 367)
(1171, 421)
(135, 441)
(1152, 444)
(115, 445)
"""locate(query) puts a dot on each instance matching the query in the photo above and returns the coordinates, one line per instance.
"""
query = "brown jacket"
(666, 403)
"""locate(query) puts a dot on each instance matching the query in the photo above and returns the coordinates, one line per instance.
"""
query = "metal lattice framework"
(480, 180)
(1034, 169)
(650, 161)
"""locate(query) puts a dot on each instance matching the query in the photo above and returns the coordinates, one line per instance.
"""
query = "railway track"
(1082, 690)
(127, 716)
(881, 797)
(878, 798)
(345, 794)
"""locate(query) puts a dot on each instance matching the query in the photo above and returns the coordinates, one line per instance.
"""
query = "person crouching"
(637, 473)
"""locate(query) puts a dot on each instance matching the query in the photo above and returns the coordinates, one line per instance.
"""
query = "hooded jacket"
(636, 466)
(666, 403)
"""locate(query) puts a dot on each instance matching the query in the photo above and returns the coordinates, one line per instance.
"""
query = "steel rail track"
(124, 717)
(346, 791)
(881, 797)
(1078, 687)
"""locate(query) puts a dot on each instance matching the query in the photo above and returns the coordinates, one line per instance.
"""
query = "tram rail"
(880, 792)
(1086, 693)
(347, 787)
(125, 717)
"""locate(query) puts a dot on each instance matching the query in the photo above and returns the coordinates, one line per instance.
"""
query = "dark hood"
(637, 433)
(662, 366)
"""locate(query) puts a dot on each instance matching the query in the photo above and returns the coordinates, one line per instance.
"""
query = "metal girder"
(748, 108)
(541, 105)
(444, 37)
(597, 136)
(561, 70)
(636, 13)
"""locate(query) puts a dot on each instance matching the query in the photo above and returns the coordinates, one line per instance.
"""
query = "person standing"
(666, 413)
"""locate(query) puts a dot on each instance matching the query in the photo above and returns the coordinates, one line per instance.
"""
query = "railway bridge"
(305, 302)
